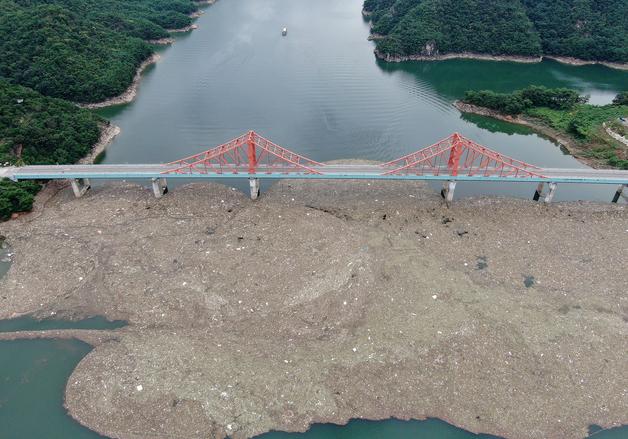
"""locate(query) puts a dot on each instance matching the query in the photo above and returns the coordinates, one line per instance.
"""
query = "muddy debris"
(326, 301)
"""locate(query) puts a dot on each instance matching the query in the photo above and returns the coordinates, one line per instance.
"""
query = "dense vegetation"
(522, 100)
(565, 111)
(82, 50)
(39, 130)
(621, 99)
(79, 50)
(16, 197)
(587, 29)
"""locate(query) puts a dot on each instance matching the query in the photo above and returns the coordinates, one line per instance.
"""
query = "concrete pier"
(539, 192)
(255, 188)
(160, 187)
(550, 194)
(621, 192)
(79, 187)
(447, 192)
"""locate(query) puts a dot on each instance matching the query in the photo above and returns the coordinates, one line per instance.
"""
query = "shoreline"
(108, 132)
(131, 91)
(562, 139)
(583, 62)
(183, 29)
(499, 58)
(162, 41)
(462, 55)
(93, 337)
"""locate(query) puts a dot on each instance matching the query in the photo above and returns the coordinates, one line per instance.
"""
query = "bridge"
(451, 160)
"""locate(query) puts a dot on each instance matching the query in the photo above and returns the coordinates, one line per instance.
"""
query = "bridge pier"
(447, 192)
(160, 187)
(620, 193)
(550, 194)
(538, 192)
(79, 187)
(255, 188)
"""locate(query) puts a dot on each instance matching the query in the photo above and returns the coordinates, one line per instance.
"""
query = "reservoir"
(318, 91)
(321, 92)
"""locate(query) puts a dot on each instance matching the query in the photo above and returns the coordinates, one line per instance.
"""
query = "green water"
(392, 428)
(395, 429)
(32, 385)
(30, 324)
(320, 92)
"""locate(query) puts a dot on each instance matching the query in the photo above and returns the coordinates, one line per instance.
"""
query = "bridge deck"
(329, 172)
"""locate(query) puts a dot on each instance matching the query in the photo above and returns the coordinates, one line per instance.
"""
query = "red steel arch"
(456, 155)
(249, 153)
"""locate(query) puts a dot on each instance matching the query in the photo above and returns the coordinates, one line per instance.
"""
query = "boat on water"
(284, 31)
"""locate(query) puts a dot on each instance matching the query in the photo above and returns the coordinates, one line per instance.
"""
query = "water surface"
(320, 91)
(32, 385)
(27, 323)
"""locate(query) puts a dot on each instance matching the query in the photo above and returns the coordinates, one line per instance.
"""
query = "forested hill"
(78, 50)
(82, 50)
(585, 29)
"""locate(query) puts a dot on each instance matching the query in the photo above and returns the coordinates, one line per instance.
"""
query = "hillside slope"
(585, 29)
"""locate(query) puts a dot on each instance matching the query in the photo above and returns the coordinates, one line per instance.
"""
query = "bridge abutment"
(255, 188)
(621, 193)
(160, 187)
(80, 186)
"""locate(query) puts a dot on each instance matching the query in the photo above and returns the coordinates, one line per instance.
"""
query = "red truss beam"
(456, 155)
(249, 153)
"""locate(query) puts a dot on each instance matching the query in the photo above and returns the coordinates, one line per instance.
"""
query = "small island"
(594, 134)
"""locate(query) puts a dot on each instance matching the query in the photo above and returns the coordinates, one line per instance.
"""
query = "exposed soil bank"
(183, 29)
(326, 301)
(108, 132)
(582, 62)
(162, 41)
(576, 149)
(485, 57)
(464, 55)
(131, 92)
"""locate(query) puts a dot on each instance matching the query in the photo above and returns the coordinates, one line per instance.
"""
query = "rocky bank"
(327, 301)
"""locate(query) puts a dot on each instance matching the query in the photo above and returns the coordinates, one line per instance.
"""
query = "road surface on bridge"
(329, 172)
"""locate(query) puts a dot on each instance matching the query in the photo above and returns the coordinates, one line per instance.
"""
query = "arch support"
(447, 192)
(551, 192)
(160, 187)
(255, 188)
(80, 186)
(621, 193)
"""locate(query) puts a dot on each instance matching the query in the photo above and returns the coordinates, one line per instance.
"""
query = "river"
(320, 92)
